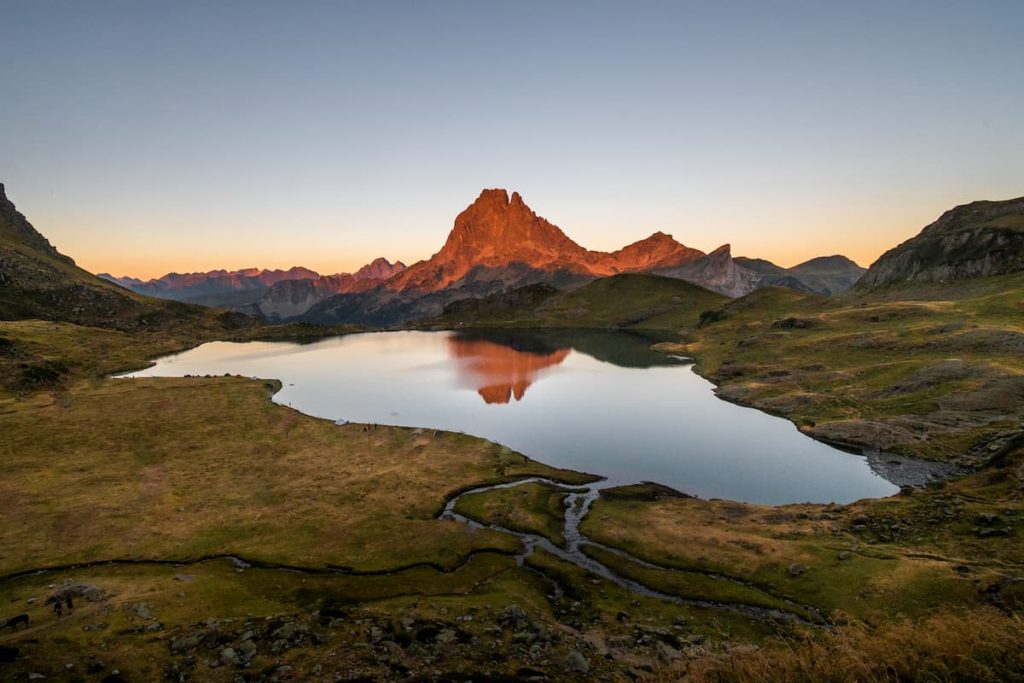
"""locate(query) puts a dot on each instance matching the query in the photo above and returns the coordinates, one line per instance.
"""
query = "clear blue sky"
(143, 137)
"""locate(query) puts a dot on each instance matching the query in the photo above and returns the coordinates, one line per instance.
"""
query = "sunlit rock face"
(498, 230)
(499, 373)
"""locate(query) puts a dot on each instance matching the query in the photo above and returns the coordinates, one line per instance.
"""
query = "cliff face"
(974, 240)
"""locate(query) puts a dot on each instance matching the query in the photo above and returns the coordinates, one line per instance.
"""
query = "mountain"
(272, 293)
(499, 244)
(193, 286)
(38, 282)
(827, 275)
(497, 231)
(717, 271)
(291, 298)
(735, 277)
(973, 240)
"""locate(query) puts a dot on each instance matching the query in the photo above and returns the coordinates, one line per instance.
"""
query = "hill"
(38, 282)
(979, 239)
(633, 300)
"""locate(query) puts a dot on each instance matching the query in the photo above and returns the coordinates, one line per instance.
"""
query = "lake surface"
(590, 401)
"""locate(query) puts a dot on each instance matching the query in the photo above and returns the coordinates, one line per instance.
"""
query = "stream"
(577, 503)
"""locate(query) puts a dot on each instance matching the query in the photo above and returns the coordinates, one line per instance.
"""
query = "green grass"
(533, 508)
(634, 301)
(873, 370)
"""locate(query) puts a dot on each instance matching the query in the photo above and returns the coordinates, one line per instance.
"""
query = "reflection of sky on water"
(659, 423)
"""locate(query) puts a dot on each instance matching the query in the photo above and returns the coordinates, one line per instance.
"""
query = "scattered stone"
(577, 662)
(993, 533)
(229, 657)
(796, 569)
(668, 652)
(988, 519)
(844, 556)
(184, 577)
(33, 676)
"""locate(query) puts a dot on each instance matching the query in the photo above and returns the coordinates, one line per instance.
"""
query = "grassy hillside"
(343, 568)
(934, 371)
(635, 301)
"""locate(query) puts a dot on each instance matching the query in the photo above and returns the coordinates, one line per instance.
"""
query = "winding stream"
(577, 503)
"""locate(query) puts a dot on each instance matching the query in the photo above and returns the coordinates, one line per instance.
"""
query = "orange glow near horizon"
(781, 233)
(499, 373)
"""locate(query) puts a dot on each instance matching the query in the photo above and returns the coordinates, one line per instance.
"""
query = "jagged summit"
(498, 230)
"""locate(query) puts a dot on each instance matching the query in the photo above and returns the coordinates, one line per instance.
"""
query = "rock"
(796, 569)
(667, 652)
(290, 630)
(246, 651)
(844, 556)
(993, 533)
(622, 616)
(33, 676)
(513, 614)
(987, 519)
(576, 662)
(229, 657)
(185, 643)
(142, 610)
(184, 577)
(446, 636)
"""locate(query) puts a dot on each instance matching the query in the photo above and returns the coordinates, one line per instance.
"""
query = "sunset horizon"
(428, 342)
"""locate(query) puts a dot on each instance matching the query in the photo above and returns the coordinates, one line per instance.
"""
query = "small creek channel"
(577, 503)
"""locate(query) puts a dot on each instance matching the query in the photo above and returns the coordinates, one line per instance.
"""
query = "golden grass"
(181, 468)
(950, 646)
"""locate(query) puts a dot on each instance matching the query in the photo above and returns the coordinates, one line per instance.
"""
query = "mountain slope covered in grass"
(630, 300)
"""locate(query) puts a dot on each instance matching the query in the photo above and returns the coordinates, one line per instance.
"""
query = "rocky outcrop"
(974, 240)
(719, 272)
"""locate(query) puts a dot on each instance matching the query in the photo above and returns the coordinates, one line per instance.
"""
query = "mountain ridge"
(971, 240)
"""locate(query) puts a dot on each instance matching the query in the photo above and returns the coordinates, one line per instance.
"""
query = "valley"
(207, 532)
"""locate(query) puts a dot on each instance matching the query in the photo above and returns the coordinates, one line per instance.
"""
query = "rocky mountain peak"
(979, 239)
(379, 269)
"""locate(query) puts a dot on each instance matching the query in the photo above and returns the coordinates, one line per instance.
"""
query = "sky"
(149, 137)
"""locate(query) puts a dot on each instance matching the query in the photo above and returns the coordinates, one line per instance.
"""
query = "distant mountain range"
(497, 244)
(243, 289)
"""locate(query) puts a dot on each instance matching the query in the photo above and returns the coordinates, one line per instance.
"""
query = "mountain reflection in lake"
(496, 371)
(598, 402)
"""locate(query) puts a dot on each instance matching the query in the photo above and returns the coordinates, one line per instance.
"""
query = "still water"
(590, 401)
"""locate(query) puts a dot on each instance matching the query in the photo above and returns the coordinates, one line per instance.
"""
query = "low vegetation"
(207, 533)
(927, 371)
(637, 301)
